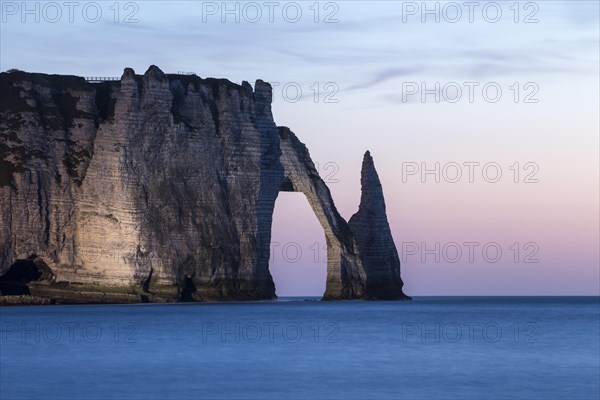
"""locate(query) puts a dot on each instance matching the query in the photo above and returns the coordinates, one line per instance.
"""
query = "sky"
(482, 119)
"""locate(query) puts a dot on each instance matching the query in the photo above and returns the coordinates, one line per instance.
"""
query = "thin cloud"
(384, 76)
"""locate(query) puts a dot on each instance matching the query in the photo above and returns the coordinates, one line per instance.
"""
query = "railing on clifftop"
(100, 79)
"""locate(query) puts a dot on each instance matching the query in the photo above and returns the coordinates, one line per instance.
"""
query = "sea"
(302, 348)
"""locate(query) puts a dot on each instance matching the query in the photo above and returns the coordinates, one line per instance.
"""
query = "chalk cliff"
(162, 188)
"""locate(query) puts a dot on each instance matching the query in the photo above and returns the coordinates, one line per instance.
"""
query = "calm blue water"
(433, 348)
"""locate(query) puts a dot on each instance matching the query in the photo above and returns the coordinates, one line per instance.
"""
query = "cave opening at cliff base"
(23, 271)
(298, 250)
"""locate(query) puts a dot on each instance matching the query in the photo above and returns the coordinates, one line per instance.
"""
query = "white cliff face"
(155, 188)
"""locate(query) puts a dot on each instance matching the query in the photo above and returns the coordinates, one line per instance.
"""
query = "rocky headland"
(161, 188)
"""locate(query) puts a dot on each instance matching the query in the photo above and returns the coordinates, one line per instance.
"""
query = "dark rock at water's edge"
(161, 188)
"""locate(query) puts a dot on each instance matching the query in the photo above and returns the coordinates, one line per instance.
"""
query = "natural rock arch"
(174, 179)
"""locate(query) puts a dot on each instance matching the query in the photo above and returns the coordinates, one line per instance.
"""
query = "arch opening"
(298, 249)
(188, 290)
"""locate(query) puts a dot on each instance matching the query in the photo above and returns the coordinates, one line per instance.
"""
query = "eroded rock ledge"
(161, 188)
